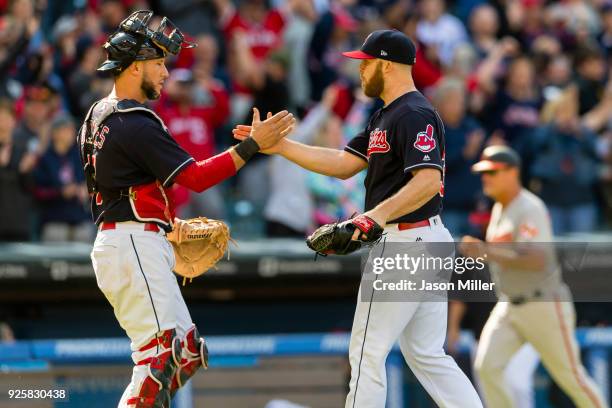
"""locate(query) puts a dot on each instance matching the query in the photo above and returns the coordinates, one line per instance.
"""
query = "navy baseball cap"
(390, 45)
(496, 158)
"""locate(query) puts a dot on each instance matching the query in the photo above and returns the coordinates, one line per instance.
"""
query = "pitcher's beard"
(375, 85)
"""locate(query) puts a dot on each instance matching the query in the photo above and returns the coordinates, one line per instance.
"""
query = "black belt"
(519, 300)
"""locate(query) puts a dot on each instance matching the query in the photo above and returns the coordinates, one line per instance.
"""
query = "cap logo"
(383, 53)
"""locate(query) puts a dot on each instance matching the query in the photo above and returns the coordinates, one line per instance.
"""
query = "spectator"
(289, 193)
(297, 40)
(336, 199)
(192, 111)
(279, 54)
(60, 187)
(605, 37)
(15, 35)
(331, 36)
(515, 109)
(557, 75)
(85, 85)
(193, 16)
(526, 19)
(566, 166)
(261, 26)
(270, 95)
(6, 333)
(599, 118)
(426, 71)
(252, 31)
(484, 28)
(37, 109)
(16, 164)
(206, 61)
(590, 75)
(111, 12)
(440, 30)
(577, 17)
(464, 143)
(65, 37)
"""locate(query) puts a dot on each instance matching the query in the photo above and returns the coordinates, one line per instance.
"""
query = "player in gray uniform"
(534, 305)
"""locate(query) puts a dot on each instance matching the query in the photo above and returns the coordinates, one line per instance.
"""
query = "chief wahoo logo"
(425, 141)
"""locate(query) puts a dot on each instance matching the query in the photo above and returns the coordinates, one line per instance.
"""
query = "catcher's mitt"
(198, 245)
(336, 238)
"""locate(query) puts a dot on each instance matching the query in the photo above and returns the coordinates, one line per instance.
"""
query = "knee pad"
(194, 355)
(153, 391)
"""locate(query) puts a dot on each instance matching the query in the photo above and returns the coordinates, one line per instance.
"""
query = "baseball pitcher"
(402, 148)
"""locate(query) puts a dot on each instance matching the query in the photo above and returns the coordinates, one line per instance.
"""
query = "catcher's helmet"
(135, 41)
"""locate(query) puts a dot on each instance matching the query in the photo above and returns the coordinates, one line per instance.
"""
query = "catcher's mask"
(134, 40)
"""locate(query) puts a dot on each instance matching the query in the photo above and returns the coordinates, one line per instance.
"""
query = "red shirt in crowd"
(261, 37)
(193, 126)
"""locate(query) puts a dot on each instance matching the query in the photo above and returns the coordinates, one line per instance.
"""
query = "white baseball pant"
(133, 269)
(420, 328)
(549, 327)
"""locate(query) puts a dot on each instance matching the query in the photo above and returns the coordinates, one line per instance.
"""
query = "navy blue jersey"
(132, 147)
(404, 136)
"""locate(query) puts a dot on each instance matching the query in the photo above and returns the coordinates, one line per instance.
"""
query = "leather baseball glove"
(198, 245)
(336, 238)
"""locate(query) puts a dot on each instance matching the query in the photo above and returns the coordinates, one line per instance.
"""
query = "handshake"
(269, 133)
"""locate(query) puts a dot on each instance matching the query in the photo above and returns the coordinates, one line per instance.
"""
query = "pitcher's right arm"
(330, 162)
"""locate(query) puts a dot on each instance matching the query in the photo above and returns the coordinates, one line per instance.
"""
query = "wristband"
(247, 149)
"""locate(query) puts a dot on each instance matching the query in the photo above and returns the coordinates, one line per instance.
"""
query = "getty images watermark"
(425, 273)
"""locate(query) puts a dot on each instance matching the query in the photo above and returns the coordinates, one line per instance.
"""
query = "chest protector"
(149, 202)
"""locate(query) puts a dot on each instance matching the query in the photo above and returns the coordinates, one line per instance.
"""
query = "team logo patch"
(378, 142)
(425, 141)
(528, 231)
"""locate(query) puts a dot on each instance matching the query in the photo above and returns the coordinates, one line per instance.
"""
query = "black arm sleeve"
(358, 146)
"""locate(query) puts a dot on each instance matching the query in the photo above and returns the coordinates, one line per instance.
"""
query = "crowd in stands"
(533, 74)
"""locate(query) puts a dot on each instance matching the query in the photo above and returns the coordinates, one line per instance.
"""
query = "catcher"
(130, 160)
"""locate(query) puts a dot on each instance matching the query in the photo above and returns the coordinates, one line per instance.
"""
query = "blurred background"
(533, 74)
